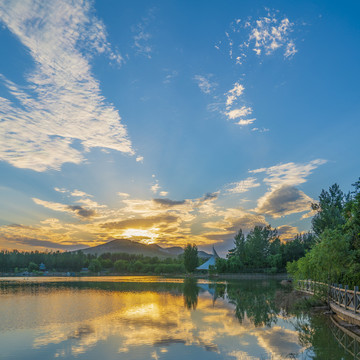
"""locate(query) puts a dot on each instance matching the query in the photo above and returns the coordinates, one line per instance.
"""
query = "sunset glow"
(144, 236)
(117, 120)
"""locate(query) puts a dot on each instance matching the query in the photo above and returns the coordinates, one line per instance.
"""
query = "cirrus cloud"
(243, 185)
(61, 101)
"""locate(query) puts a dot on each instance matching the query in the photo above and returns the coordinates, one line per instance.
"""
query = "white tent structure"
(210, 261)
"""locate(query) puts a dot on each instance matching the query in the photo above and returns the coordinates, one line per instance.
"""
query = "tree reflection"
(256, 301)
(146, 308)
(191, 293)
(325, 339)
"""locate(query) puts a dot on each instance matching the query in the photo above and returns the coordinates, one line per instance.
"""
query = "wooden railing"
(341, 296)
(346, 298)
(312, 287)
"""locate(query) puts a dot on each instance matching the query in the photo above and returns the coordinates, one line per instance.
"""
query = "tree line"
(330, 252)
(335, 256)
(261, 250)
(20, 261)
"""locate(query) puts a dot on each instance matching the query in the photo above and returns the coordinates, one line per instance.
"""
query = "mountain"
(134, 247)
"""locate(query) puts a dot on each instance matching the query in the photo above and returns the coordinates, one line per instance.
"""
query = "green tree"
(329, 210)
(121, 265)
(234, 264)
(191, 259)
(106, 263)
(239, 249)
(257, 245)
(352, 217)
(138, 266)
(95, 265)
(33, 267)
(221, 265)
(330, 259)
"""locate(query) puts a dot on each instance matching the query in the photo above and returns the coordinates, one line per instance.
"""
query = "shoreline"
(240, 276)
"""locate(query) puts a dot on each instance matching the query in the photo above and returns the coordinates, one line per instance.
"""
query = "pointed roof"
(215, 253)
(210, 261)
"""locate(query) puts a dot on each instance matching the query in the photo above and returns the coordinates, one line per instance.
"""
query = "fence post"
(346, 289)
(340, 294)
(356, 290)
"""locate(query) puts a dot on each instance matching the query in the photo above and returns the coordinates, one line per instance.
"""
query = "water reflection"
(326, 339)
(160, 320)
(191, 293)
(255, 301)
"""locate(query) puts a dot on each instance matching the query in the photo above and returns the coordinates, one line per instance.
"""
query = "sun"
(144, 236)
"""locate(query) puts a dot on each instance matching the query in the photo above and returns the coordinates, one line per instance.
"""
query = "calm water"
(157, 318)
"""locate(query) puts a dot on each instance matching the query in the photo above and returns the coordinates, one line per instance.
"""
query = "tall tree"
(191, 259)
(329, 210)
(239, 249)
(352, 216)
(258, 245)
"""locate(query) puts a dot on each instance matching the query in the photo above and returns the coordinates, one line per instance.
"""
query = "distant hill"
(134, 247)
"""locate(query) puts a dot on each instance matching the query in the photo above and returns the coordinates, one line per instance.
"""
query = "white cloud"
(155, 187)
(284, 198)
(204, 83)
(262, 36)
(90, 203)
(261, 130)
(51, 205)
(123, 194)
(234, 93)
(243, 122)
(234, 219)
(257, 171)
(238, 113)
(243, 185)
(163, 193)
(61, 101)
(287, 232)
(79, 211)
(241, 112)
(140, 159)
(290, 173)
(290, 50)
(142, 36)
(269, 34)
(79, 193)
(170, 76)
(61, 190)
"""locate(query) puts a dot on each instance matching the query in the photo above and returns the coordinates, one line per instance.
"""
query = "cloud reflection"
(70, 321)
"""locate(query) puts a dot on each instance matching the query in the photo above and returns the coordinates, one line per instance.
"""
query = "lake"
(158, 318)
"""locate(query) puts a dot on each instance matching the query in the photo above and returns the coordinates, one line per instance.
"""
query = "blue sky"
(172, 121)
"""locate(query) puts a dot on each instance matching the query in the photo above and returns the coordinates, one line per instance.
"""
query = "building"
(210, 261)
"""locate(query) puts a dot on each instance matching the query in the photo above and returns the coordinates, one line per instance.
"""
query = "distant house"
(210, 261)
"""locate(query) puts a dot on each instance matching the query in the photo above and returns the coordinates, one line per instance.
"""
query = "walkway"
(343, 301)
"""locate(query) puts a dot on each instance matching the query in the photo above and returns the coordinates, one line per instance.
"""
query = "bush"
(95, 265)
(121, 266)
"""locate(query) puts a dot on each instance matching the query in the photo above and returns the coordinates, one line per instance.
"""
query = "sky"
(173, 122)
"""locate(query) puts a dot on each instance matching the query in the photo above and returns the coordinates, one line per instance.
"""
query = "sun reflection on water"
(81, 320)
